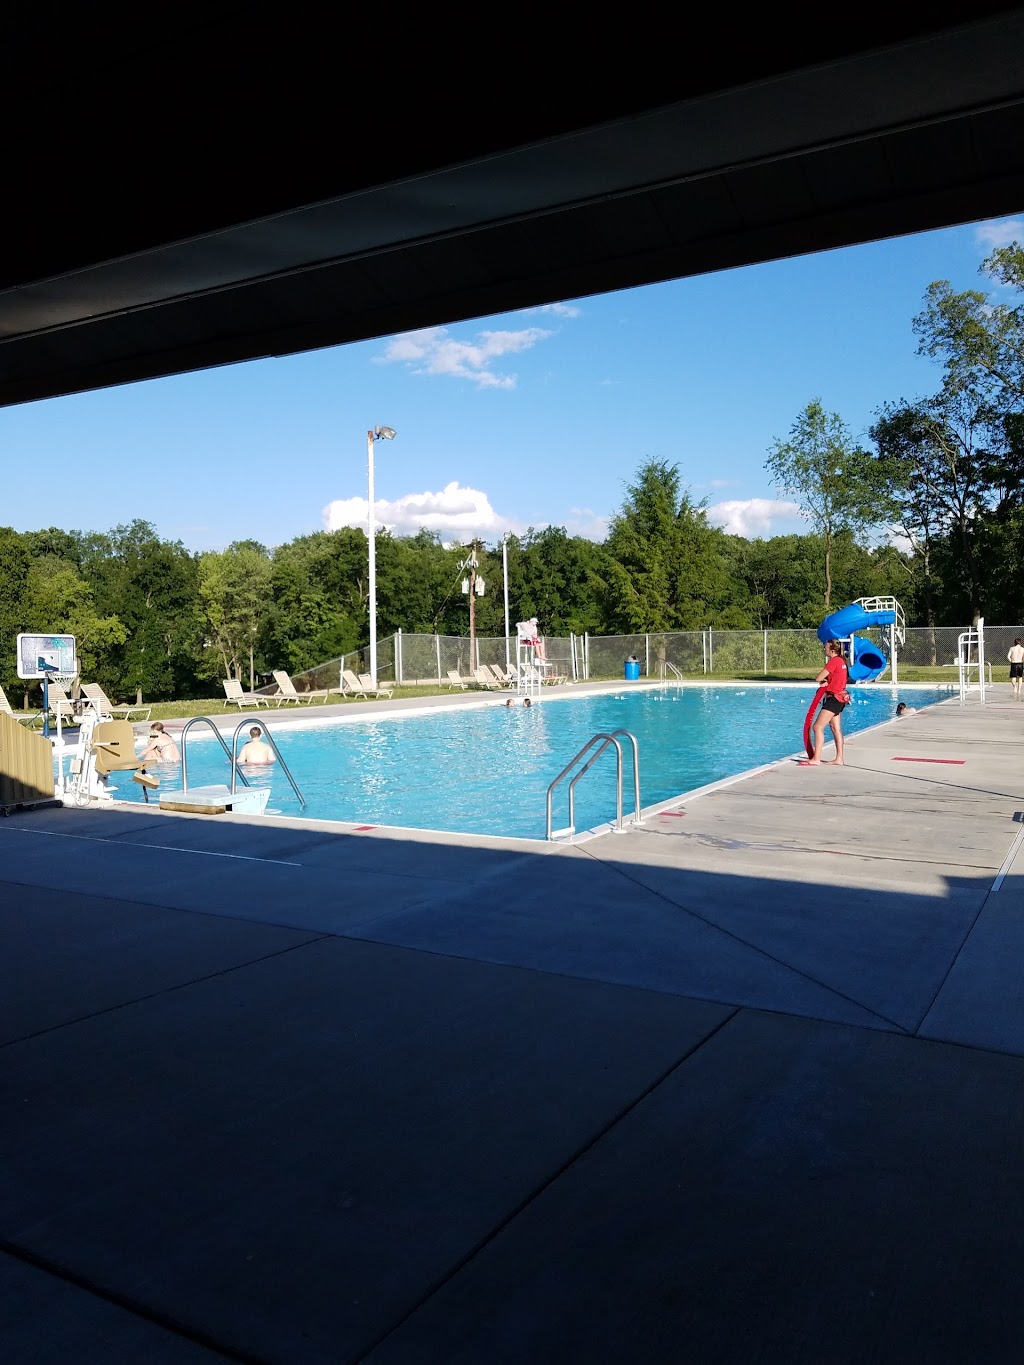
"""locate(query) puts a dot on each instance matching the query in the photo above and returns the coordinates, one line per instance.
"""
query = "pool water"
(486, 769)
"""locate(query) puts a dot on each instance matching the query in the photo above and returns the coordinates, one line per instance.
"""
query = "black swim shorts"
(833, 705)
(1017, 670)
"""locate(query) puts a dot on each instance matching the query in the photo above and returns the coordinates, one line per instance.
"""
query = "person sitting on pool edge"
(256, 749)
(904, 710)
(161, 748)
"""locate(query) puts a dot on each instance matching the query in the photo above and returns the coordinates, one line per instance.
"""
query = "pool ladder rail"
(604, 740)
(232, 753)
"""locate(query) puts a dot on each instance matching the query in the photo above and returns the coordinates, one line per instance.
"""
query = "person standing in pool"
(1016, 658)
(834, 676)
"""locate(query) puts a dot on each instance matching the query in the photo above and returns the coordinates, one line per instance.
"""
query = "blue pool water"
(486, 770)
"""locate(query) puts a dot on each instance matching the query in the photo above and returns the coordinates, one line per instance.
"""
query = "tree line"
(929, 509)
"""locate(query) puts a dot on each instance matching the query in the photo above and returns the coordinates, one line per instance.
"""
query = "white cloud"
(558, 310)
(754, 517)
(434, 351)
(992, 235)
(582, 521)
(456, 513)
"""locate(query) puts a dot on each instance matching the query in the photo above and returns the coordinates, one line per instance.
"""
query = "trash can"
(632, 668)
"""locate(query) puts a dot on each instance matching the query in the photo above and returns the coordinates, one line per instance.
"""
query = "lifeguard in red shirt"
(834, 677)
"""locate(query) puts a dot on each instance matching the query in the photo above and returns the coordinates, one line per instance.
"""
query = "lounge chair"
(503, 678)
(22, 717)
(485, 678)
(62, 708)
(366, 683)
(94, 693)
(287, 691)
(455, 679)
(233, 693)
(351, 686)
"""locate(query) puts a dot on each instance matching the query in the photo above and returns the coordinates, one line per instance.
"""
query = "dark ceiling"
(237, 182)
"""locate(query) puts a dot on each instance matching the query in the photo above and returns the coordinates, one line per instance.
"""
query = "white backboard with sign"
(42, 656)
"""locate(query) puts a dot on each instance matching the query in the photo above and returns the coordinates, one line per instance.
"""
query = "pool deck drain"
(408, 1097)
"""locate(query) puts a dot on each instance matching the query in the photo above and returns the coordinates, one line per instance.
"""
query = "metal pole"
(437, 651)
(504, 579)
(981, 659)
(398, 657)
(373, 559)
(647, 656)
(766, 654)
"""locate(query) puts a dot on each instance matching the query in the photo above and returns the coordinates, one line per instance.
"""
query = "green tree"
(665, 565)
(58, 600)
(836, 483)
(235, 589)
(15, 560)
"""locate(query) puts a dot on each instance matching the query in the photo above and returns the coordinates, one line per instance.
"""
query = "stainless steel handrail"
(608, 739)
(273, 744)
(205, 720)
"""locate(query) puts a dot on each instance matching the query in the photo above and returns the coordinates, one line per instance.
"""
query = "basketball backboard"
(42, 656)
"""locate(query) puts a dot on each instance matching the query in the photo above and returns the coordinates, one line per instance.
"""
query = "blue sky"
(523, 419)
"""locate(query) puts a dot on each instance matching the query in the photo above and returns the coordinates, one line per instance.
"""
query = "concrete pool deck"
(743, 1084)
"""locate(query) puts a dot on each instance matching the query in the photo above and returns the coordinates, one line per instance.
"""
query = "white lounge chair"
(366, 683)
(287, 691)
(22, 717)
(62, 708)
(455, 679)
(94, 692)
(233, 693)
(502, 677)
(351, 686)
(485, 678)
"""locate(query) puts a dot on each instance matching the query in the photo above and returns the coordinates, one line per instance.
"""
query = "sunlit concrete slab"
(290, 1157)
(46, 1319)
(792, 1192)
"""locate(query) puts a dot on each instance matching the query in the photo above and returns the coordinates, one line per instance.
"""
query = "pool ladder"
(604, 740)
(232, 753)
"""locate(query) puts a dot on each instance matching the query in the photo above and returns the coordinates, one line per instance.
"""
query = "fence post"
(586, 656)
(647, 656)
(398, 657)
(766, 654)
(711, 651)
(704, 650)
(437, 651)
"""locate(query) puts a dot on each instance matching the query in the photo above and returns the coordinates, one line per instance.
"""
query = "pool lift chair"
(104, 746)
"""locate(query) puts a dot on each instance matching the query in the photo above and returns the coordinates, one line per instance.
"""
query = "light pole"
(504, 579)
(377, 434)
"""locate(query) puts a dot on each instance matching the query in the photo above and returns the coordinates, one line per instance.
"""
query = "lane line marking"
(167, 848)
(958, 761)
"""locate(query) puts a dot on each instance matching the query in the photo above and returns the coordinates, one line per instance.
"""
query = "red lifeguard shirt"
(838, 675)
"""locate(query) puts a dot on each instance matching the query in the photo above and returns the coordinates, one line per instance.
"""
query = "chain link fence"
(425, 660)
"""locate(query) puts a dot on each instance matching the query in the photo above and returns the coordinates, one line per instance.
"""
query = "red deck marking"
(359, 828)
(959, 761)
(672, 814)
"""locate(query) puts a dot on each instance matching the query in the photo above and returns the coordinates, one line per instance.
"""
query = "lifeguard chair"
(531, 660)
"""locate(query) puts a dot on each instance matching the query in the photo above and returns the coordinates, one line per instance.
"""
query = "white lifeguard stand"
(530, 660)
(972, 669)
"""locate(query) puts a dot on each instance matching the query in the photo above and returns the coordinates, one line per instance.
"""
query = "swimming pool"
(486, 769)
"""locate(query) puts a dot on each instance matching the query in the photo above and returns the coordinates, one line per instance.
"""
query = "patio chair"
(287, 691)
(351, 686)
(22, 717)
(233, 693)
(499, 673)
(485, 678)
(455, 679)
(366, 683)
(94, 692)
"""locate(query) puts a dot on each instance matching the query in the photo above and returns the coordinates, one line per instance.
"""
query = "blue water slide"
(868, 661)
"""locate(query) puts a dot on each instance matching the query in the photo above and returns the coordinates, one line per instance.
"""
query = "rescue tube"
(809, 721)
